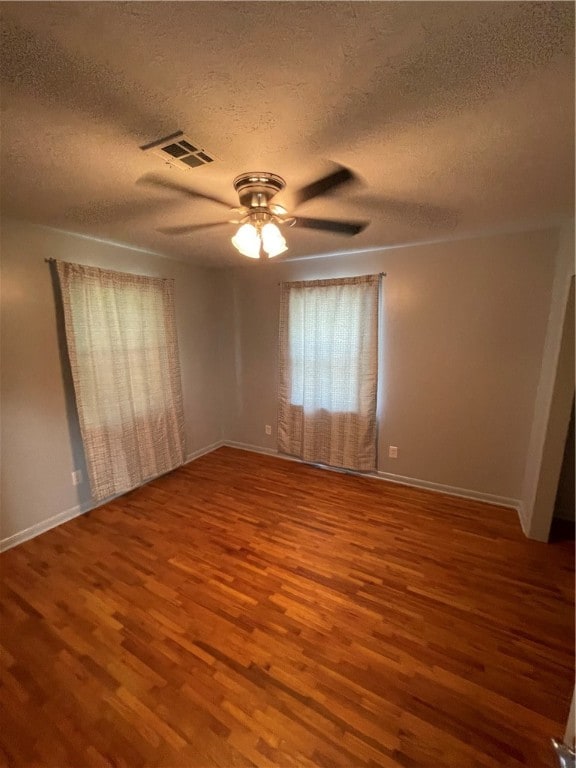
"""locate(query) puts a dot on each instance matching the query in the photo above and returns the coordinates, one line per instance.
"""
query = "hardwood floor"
(246, 610)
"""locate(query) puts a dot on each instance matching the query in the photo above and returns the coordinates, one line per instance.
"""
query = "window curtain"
(328, 365)
(123, 351)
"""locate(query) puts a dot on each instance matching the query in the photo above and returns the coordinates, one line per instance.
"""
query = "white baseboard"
(203, 451)
(413, 482)
(450, 490)
(259, 449)
(44, 525)
(523, 518)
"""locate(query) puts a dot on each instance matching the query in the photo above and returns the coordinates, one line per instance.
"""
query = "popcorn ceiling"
(458, 116)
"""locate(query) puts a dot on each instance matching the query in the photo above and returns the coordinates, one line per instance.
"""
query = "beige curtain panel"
(123, 350)
(329, 371)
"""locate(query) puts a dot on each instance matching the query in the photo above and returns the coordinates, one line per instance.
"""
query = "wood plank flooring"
(250, 611)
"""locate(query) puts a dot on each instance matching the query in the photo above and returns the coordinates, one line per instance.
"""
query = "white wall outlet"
(268, 429)
(393, 451)
(77, 477)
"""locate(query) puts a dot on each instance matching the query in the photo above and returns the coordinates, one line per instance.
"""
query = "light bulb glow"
(250, 239)
(247, 241)
(272, 240)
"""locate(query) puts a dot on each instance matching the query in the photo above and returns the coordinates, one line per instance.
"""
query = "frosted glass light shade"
(247, 241)
(272, 240)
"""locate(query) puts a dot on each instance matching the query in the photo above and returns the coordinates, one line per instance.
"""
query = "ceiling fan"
(260, 219)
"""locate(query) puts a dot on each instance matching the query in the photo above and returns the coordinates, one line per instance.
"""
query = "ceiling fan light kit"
(273, 241)
(252, 238)
(259, 236)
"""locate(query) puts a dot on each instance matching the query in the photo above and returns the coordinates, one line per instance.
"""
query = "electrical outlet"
(77, 477)
(392, 452)
(268, 429)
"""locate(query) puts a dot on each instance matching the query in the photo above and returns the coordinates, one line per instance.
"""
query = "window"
(130, 363)
(325, 330)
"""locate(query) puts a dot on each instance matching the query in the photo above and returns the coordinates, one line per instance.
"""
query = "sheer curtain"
(123, 350)
(329, 371)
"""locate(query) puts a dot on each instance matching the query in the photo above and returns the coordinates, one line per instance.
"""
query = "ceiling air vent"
(177, 149)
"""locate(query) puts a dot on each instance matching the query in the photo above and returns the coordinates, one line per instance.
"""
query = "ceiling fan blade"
(187, 229)
(152, 180)
(324, 185)
(326, 225)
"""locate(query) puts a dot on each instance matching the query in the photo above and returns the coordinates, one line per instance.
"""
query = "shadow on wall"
(78, 457)
(563, 525)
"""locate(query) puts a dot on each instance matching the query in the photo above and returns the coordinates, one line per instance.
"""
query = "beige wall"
(465, 324)
(463, 353)
(41, 444)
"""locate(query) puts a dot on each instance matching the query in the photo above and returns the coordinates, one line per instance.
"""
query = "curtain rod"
(380, 274)
(50, 260)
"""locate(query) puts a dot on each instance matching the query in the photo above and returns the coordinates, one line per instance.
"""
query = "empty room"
(287, 384)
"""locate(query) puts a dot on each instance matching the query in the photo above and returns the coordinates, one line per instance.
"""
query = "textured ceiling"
(457, 117)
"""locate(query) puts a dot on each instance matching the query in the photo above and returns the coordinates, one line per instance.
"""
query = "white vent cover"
(177, 149)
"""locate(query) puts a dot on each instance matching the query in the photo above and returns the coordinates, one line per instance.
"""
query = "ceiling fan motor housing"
(255, 190)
